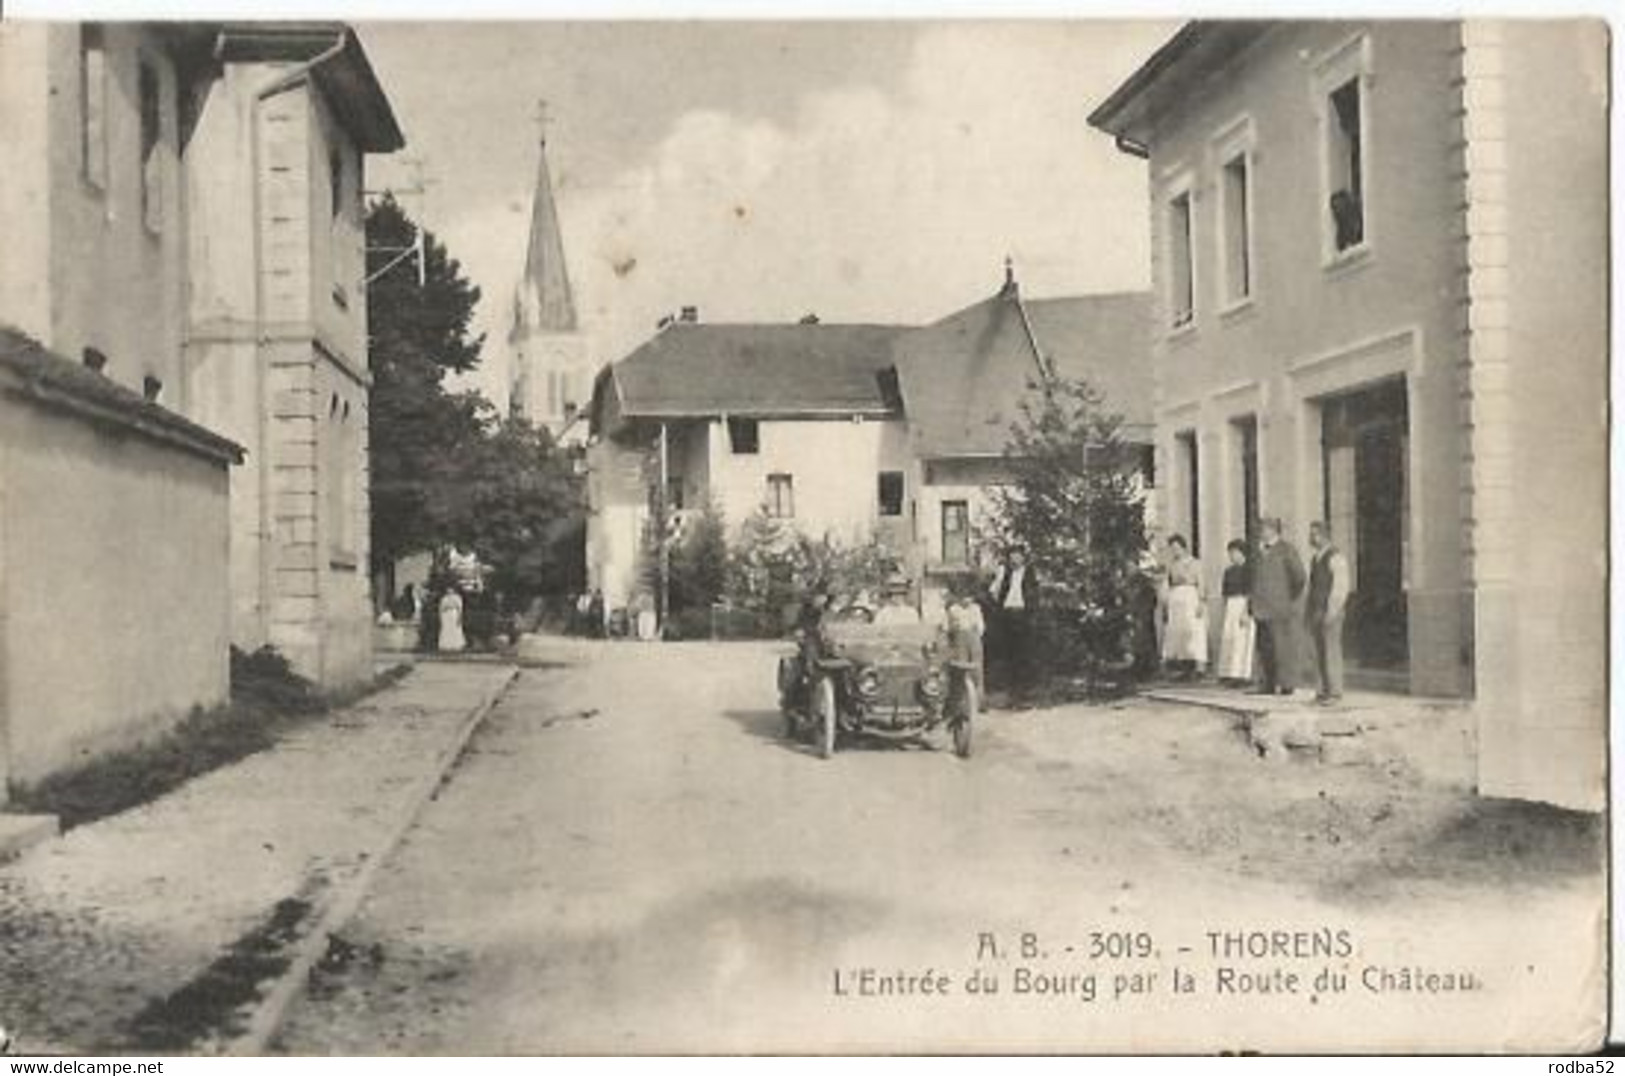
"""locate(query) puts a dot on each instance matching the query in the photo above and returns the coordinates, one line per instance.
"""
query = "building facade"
(963, 381)
(1380, 295)
(856, 433)
(183, 221)
(791, 420)
(114, 548)
(276, 333)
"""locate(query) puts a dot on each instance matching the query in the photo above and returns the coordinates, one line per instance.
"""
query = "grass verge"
(268, 700)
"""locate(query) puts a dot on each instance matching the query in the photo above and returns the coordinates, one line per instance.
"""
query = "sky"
(863, 171)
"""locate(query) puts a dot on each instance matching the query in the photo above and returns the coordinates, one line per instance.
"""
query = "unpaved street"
(631, 858)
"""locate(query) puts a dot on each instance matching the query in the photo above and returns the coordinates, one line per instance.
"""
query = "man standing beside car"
(1014, 593)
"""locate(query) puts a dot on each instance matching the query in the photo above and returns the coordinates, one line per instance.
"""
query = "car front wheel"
(969, 705)
(824, 715)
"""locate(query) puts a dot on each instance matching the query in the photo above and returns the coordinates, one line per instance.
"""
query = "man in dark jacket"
(1013, 601)
(1278, 582)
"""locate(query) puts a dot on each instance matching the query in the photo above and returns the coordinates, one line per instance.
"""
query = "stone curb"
(267, 1018)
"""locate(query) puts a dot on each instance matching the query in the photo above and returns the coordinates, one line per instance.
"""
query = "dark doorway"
(1246, 441)
(1365, 441)
(1191, 473)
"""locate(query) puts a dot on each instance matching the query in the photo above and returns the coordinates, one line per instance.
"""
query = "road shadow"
(768, 725)
(1499, 844)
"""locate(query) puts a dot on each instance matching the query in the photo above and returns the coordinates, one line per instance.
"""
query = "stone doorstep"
(1282, 727)
(20, 832)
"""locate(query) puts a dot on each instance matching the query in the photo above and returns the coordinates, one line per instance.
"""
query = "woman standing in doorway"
(1236, 640)
(1184, 635)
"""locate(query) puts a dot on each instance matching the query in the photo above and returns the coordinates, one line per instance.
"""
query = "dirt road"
(632, 859)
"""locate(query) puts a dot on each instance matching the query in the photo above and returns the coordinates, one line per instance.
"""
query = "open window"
(744, 436)
(891, 493)
(1343, 87)
(1344, 155)
(93, 106)
(1181, 267)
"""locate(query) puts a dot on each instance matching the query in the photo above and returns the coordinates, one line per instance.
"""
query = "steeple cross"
(543, 119)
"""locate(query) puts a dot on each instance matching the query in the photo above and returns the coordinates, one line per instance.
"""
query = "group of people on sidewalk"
(1270, 603)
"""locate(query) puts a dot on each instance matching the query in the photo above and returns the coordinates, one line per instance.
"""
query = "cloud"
(866, 205)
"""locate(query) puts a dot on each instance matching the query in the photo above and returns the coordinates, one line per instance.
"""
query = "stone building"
(114, 600)
(170, 299)
(276, 328)
(1381, 299)
(856, 432)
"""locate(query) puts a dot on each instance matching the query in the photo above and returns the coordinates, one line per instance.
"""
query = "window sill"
(342, 562)
(341, 299)
(1347, 261)
(1183, 331)
(1242, 309)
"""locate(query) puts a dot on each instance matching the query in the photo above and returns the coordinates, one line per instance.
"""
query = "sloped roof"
(50, 380)
(963, 378)
(701, 370)
(344, 73)
(1166, 78)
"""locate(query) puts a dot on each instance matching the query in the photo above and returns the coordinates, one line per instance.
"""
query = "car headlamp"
(931, 683)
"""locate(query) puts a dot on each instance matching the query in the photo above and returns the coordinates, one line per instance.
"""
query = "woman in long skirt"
(452, 640)
(1236, 640)
(1184, 635)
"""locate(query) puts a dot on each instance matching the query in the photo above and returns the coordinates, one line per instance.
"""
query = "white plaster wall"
(25, 195)
(618, 509)
(337, 257)
(1539, 281)
(115, 588)
(834, 466)
(100, 246)
(1313, 330)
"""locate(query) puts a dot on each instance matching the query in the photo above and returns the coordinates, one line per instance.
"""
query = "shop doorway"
(1364, 448)
(1244, 438)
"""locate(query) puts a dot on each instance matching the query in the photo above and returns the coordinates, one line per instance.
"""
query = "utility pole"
(420, 187)
(665, 528)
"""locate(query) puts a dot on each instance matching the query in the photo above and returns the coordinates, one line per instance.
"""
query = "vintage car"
(889, 678)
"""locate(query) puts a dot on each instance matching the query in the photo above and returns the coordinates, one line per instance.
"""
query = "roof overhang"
(1196, 50)
(30, 372)
(661, 414)
(346, 78)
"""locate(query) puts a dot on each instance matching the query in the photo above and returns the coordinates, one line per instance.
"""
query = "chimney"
(690, 314)
(665, 321)
(808, 319)
(94, 359)
(150, 388)
(1010, 286)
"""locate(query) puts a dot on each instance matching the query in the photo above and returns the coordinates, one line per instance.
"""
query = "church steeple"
(543, 303)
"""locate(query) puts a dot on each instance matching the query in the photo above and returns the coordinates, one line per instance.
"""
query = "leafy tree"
(699, 562)
(771, 565)
(517, 504)
(418, 430)
(1075, 508)
(447, 470)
